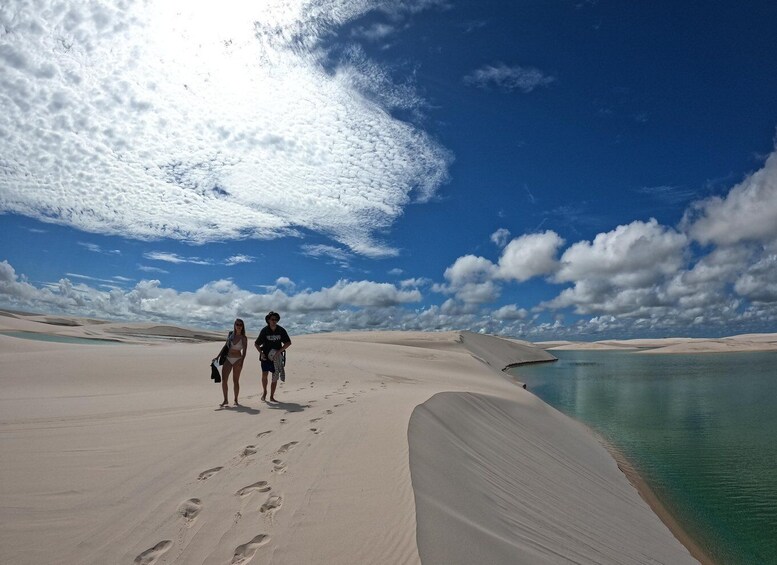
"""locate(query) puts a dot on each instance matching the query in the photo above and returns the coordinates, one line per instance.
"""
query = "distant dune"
(745, 342)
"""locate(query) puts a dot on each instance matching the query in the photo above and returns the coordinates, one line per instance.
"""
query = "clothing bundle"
(278, 358)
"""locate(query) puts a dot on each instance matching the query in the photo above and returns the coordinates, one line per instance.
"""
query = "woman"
(273, 340)
(238, 348)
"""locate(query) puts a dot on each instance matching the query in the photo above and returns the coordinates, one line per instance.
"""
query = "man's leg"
(272, 390)
(264, 385)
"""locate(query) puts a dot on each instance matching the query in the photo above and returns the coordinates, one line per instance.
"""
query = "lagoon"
(701, 429)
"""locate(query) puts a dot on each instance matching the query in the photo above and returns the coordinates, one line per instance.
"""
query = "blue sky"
(546, 170)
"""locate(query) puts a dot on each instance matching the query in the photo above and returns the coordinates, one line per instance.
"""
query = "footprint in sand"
(189, 509)
(244, 553)
(278, 466)
(283, 420)
(264, 433)
(260, 486)
(151, 556)
(329, 412)
(209, 473)
(271, 505)
(315, 430)
(286, 447)
(315, 420)
(337, 405)
(248, 450)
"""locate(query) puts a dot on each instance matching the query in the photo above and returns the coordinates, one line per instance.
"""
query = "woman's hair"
(242, 326)
(270, 315)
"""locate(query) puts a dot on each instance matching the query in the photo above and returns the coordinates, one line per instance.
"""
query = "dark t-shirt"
(269, 339)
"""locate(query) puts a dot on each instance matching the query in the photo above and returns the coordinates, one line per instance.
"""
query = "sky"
(544, 169)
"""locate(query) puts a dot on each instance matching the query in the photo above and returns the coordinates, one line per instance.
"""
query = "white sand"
(386, 447)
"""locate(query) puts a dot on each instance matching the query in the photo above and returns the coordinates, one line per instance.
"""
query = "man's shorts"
(269, 367)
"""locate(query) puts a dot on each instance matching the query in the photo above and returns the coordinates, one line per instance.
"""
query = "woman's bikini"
(232, 348)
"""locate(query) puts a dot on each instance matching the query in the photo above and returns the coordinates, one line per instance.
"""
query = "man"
(273, 340)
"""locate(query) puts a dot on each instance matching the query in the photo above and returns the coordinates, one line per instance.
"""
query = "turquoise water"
(60, 338)
(700, 429)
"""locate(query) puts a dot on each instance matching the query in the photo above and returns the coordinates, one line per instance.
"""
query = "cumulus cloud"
(747, 213)
(162, 119)
(636, 254)
(529, 256)
(618, 272)
(759, 282)
(510, 312)
(470, 279)
(504, 77)
(217, 300)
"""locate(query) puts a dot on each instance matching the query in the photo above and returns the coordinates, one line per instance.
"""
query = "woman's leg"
(226, 368)
(236, 379)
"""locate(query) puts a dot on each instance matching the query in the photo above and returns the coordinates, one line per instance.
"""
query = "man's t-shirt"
(269, 339)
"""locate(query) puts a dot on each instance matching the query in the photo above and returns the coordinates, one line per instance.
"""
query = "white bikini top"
(238, 345)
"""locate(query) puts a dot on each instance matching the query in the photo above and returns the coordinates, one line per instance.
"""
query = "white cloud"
(470, 280)
(285, 282)
(416, 282)
(529, 256)
(160, 119)
(338, 255)
(747, 213)
(620, 272)
(238, 259)
(510, 312)
(175, 258)
(94, 248)
(759, 282)
(469, 268)
(500, 237)
(503, 77)
(375, 32)
(149, 269)
(632, 255)
(217, 300)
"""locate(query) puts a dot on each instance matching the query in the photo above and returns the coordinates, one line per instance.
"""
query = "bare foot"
(223, 404)
(264, 396)
(237, 403)
(273, 399)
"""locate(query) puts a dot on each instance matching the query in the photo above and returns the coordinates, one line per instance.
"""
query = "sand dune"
(732, 344)
(386, 447)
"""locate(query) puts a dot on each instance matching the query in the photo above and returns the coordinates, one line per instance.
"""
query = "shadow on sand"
(287, 406)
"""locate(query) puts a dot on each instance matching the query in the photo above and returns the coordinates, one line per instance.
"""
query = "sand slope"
(120, 454)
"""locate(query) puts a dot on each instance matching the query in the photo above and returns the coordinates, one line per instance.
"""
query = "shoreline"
(656, 504)
(679, 531)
